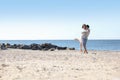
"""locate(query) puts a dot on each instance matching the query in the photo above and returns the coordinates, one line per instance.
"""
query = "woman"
(84, 37)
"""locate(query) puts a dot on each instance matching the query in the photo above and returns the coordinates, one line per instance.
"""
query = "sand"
(16, 64)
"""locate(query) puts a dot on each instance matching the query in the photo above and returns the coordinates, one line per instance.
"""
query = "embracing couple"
(84, 37)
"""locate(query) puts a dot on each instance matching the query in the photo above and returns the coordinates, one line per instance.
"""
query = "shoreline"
(65, 50)
(91, 44)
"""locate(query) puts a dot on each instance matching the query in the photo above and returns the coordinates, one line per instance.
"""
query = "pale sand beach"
(16, 64)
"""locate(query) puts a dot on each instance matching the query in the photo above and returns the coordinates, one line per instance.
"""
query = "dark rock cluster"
(44, 47)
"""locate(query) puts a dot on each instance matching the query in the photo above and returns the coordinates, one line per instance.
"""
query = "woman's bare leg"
(80, 44)
(81, 47)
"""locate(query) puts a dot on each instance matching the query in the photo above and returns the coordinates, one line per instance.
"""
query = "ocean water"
(112, 45)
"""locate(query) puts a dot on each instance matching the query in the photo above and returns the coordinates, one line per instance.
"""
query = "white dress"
(84, 34)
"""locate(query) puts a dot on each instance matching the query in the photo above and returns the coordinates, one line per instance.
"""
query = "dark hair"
(87, 26)
(83, 25)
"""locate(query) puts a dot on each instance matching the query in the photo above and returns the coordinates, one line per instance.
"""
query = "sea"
(111, 45)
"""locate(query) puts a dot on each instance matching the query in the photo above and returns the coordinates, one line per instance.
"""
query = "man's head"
(87, 26)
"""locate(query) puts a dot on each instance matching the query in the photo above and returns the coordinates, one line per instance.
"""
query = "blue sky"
(59, 19)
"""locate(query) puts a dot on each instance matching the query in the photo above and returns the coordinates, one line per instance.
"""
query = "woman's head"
(84, 26)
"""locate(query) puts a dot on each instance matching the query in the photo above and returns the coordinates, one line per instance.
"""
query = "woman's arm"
(84, 31)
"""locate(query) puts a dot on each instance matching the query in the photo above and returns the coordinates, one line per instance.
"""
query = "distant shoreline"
(112, 45)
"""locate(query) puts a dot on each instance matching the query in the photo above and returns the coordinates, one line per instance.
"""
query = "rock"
(20, 46)
(62, 48)
(14, 46)
(3, 47)
(34, 46)
(44, 47)
(26, 47)
(0, 46)
(39, 47)
(52, 49)
(8, 45)
(48, 46)
(71, 48)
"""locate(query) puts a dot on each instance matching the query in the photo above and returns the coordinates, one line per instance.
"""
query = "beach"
(17, 64)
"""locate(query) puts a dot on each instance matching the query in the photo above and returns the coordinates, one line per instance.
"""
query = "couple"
(84, 37)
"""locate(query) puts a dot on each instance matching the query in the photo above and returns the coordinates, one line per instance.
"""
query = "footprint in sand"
(19, 68)
(4, 65)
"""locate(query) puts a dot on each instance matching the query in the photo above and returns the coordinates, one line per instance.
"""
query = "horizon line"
(55, 39)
